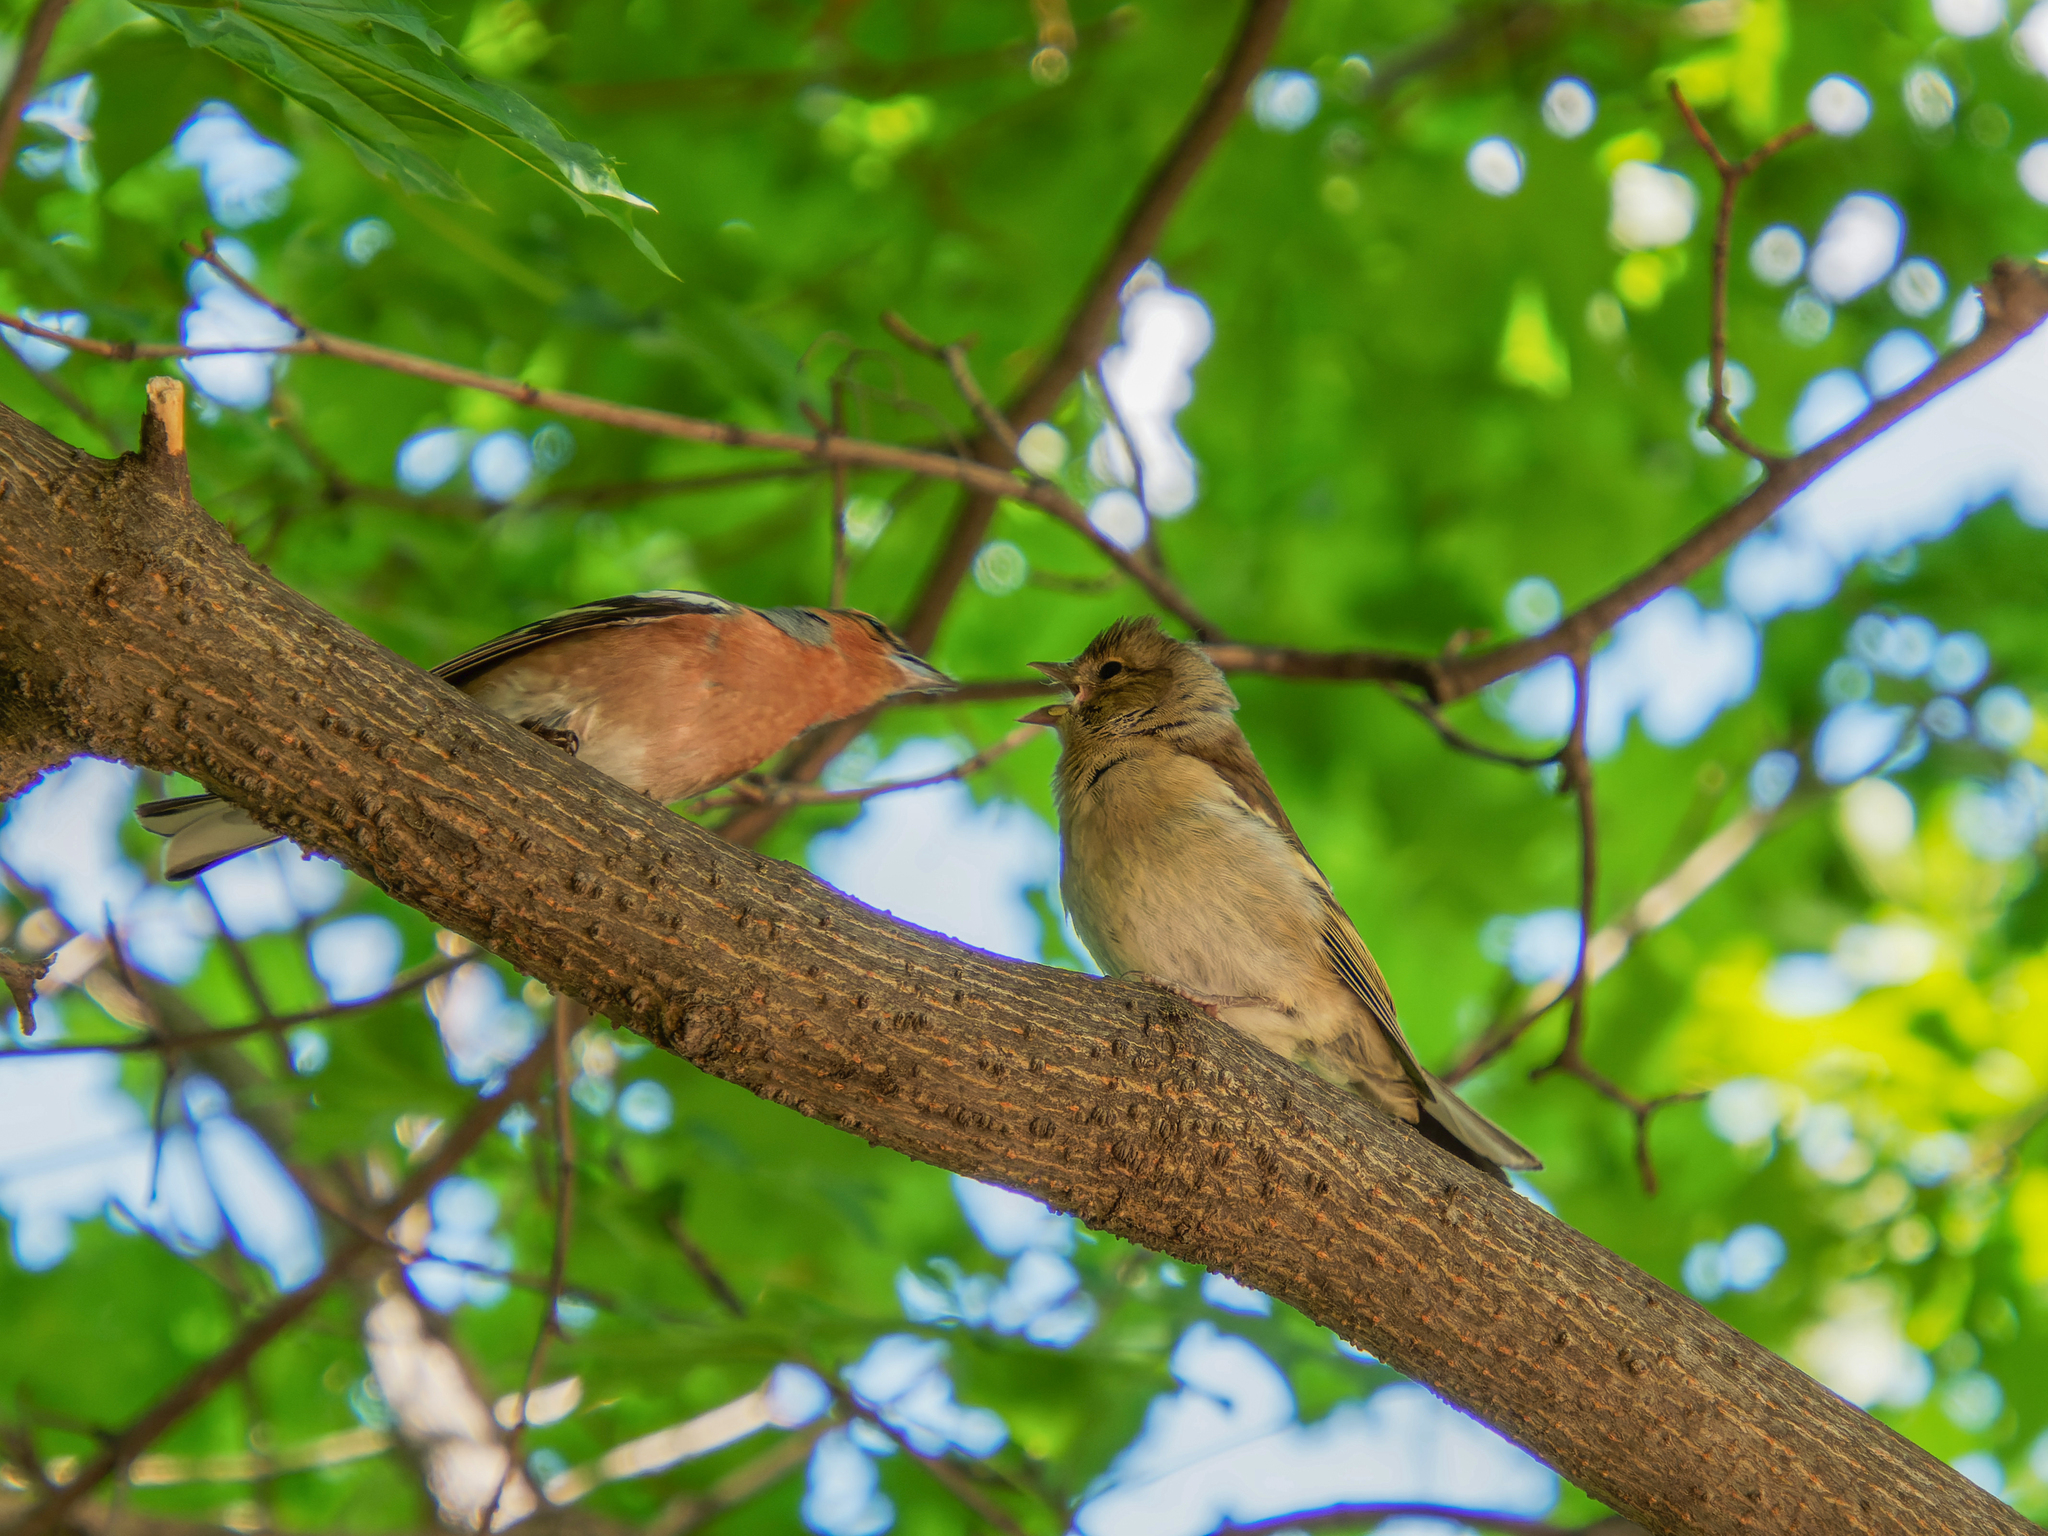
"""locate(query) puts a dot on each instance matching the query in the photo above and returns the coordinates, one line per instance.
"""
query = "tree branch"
(1657, 906)
(171, 1045)
(130, 618)
(19, 977)
(1087, 328)
(783, 794)
(1342, 1519)
(569, 1016)
(2015, 302)
(1720, 420)
(202, 1383)
(825, 450)
(28, 65)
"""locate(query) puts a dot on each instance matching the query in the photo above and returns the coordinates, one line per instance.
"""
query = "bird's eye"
(1109, 670)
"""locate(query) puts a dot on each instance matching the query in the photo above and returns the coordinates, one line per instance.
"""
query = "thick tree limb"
(135, 624)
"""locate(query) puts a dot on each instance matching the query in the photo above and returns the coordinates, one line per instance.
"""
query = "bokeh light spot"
(1495, 167)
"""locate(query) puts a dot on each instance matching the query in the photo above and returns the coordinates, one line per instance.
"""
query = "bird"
(670, 693)
(1179, 868)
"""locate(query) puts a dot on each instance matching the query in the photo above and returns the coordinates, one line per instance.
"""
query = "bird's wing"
(1232, 760)
(633, 608)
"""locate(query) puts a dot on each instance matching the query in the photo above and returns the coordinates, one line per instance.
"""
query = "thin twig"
(943, 1471)
(689, 1512)
(1459, 741)
(836, 591)
(1123, 432)
(123, 1447)
(1720, 420)
(1571, 1056)
(407, 1257)
(823, 450)
(336, 486)
(713, 1278)
(171, 1045)
(20, 978)
(784, 795)
(570, 1016)
(28, 65)
(2015, 302)
(238, 958)
(1346, 1518)
(1095, 307)
(953, 354)
(1660, 904)
(1578, 777)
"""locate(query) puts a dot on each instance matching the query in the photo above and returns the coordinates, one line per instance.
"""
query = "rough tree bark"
(132, 627)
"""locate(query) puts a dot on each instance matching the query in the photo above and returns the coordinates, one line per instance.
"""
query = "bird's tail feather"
(203, 830)
(1472, 1130)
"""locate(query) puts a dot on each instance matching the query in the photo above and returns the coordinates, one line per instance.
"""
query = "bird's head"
(1132, 678)
(881, 659)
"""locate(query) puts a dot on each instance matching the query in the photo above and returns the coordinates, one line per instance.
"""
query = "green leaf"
(384, 79)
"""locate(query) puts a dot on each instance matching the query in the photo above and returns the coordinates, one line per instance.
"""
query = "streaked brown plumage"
(670, 693)
(1178, 865)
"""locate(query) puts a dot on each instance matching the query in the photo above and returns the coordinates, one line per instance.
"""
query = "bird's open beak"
(1048, 714)
(921, 676)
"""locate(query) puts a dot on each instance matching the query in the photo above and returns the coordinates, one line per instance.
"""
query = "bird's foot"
(1207, 1002)
(566, 740)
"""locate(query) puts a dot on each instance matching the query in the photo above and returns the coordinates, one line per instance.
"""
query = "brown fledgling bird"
(1179, 868)
(670, 693)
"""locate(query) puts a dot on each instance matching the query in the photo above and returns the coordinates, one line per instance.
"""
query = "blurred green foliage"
(1417, 396)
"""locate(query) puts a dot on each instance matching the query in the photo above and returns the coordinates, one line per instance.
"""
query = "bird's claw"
(1207, 1002)
(566, 740)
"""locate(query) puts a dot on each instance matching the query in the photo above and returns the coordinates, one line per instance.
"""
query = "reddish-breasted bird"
(670, 693)
(1180, 868)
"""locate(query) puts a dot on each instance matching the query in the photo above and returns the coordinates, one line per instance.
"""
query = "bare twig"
(238, 958)
(689, 1512)
(20, 978)
(1660, 904)
(943, 1471)
(823, 450)
(2015, 302)
(1571, 1056)
(1087, 327)
(1346, 1518)
(836, 592)
(1123, 432)
(570, 1016)
(28, 64)
(954, 355)
(1720, 420)
(346, 1213)
(171, 1045)
(1578, 777)
(124, 1446)
(1459, 741)
(713, 1278)
(784, 794)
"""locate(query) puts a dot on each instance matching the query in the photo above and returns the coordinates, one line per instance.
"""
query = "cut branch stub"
(129, 618)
